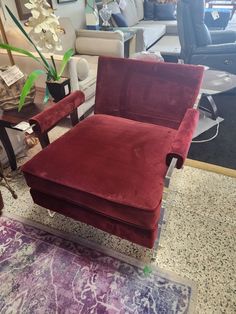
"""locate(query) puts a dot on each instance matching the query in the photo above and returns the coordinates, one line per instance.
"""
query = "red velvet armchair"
(109, 170)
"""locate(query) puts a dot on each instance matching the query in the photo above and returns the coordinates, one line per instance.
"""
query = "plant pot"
(1, 202)
(59, 89)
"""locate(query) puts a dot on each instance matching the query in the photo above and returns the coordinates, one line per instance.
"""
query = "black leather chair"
(216, 49)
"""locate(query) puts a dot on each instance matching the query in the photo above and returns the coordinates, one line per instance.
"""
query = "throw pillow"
(130, 13)
(82, 68)
(148, 10)
(164, 11)
(119, 20)
(139, 8)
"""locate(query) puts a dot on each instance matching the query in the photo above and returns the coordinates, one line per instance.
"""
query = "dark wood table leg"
(8, 147)
(1, 203)
(43, 139)
(74, 117)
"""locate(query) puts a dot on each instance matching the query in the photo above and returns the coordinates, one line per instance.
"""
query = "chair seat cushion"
(107, 164)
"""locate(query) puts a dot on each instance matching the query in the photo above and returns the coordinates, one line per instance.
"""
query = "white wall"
(72, 10)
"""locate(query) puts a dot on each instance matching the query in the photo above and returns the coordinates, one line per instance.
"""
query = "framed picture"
(23, 12)
(65, 1)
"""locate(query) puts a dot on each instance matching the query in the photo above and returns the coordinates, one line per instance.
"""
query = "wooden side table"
(1, 202)
(9, 119)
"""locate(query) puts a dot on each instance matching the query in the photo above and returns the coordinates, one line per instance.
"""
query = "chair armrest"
(72, 65)
(47, 119)
(183, 138)
(223, 37)
(216, 49)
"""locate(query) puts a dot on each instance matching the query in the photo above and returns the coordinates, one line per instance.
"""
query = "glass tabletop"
(215, 82)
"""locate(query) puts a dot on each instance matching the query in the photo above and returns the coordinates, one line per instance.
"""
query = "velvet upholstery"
(144, 237)
(134, 152)
(180, 145)
(108, 171)
(48, 118)
(152, 92)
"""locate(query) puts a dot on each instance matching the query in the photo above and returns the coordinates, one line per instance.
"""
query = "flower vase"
(91, 15)
(59, 89)
(105, 14)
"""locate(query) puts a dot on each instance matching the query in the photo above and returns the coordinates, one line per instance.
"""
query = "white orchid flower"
(45, 25)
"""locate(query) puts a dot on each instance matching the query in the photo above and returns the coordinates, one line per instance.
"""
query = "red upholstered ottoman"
(125, 187)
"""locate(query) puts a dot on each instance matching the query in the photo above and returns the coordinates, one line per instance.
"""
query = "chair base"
(132, 233)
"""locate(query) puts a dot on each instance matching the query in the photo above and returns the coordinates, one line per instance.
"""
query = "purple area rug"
(44, 273)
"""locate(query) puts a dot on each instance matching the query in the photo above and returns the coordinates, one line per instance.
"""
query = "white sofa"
(148, 31)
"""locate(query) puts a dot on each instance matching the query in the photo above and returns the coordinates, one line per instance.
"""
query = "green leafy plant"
(49, 68)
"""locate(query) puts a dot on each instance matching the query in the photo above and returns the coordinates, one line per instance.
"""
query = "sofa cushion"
(164, 11)
(171, 26)
(167, 45)
(140, 9)
(148, 10)
(123, 180)
(100, 43)
(150, 32)
(130, 13)
(119, 20)
(121, 229)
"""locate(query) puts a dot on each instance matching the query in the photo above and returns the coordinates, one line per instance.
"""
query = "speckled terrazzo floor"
(198, 241)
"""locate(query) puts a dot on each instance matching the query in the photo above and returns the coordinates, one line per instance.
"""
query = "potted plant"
(44, 34)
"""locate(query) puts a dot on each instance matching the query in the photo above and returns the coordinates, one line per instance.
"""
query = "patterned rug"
(44, 273)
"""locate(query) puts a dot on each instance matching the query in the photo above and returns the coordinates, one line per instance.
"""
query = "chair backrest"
(191, 27)
(153, 92)
(186, 32)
